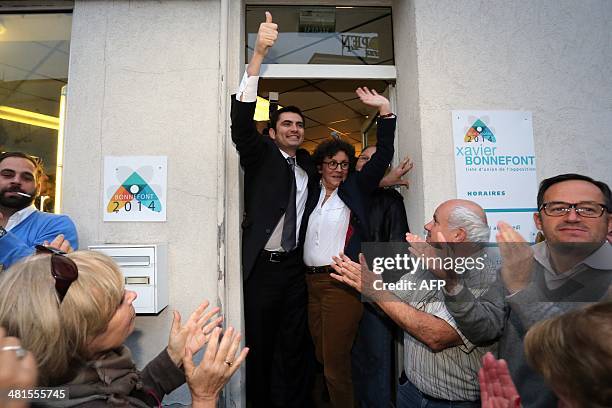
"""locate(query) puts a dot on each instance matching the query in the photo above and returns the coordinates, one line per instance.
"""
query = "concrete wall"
(145, 80)
(551, 57)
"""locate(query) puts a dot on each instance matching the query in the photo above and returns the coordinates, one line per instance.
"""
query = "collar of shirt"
(285, 155)
(600, 259)
(19, 217)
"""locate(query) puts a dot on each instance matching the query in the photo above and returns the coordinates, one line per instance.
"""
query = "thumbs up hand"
(266, 36)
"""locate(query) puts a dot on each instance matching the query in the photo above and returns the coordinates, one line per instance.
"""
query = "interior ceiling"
(328, 105)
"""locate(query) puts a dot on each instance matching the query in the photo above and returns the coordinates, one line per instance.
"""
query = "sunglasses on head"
(63, 269)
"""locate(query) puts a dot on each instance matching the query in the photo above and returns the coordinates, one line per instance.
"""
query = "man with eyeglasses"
(571, 267)
(22, 226)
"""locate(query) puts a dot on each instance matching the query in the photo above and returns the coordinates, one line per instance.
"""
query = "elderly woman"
(73, 313)
(338, 208)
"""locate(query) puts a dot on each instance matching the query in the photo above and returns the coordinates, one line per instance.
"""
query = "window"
(34, 50)
(325, 35)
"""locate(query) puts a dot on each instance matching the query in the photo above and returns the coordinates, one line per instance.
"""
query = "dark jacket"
(388, 222)
(267, 180)
(357, 189)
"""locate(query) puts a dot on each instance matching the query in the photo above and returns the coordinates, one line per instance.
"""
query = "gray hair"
(475, 227)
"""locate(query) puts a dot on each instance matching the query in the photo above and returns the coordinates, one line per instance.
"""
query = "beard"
(16, 202)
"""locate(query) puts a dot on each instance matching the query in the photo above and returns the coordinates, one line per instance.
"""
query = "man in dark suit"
(276, 174)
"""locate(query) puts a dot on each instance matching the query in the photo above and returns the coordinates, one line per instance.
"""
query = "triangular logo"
(479, 132)
(134, 188)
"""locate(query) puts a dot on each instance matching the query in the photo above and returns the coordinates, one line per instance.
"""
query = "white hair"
(474, 225)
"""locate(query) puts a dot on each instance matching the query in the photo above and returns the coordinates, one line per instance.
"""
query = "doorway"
(330, 107)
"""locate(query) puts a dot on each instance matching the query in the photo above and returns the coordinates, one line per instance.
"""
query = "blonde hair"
(574, 354)
(58, 334)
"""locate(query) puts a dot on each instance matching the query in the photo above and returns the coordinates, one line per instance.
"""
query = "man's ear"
(537, 219)
(319, 169)
(272, 133)
(460, 235)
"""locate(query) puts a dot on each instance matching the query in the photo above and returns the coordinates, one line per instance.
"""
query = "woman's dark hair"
(329, 148)
(547, 183)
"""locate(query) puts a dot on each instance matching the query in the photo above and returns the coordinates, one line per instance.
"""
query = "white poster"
(495, 166)
(135, 188)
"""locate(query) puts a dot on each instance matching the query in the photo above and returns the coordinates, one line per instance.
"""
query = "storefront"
(153, 78)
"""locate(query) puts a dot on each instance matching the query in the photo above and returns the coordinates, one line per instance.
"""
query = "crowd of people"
(531, 331)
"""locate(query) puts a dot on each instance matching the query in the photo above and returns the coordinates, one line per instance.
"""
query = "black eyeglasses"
(584, 209)
(333, 165)
(63, 269)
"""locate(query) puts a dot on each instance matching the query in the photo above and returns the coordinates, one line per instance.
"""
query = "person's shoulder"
(387, 194)
(50, 218)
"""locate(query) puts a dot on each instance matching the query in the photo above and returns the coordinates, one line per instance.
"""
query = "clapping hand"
(194, 333)
(421, 248)
(517, 258)
(356, 275)
(496, 387)
(219, 363)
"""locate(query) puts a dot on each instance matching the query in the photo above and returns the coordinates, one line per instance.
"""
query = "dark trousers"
(373, 358)
(279, 368)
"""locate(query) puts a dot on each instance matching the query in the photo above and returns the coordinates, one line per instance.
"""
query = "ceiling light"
(262, 110)
(29, 118)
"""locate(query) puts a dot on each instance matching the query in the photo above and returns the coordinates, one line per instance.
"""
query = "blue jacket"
(37, 228)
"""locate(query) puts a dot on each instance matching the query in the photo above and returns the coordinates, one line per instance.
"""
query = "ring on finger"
(229, 363)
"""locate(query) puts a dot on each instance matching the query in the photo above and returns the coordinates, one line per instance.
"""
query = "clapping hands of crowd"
(219, 363)
(517, 258)
(496, 387)
(356, 275)
(194, 334)
(419, 247)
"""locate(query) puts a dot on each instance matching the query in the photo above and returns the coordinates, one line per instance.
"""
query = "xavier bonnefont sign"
(495, 166)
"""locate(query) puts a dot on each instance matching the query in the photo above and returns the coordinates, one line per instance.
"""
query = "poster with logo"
(135, 188)
(495, 166)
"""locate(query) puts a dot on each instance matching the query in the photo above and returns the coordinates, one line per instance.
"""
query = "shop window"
(34, 51)
(325, 35)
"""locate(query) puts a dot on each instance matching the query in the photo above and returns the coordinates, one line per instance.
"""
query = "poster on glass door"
(135, 188)
(495, 166)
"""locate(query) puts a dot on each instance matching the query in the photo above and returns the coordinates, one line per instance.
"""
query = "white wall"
(551, 57)
(145, 80)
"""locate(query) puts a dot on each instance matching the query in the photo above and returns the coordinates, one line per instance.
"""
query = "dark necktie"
(288, 239)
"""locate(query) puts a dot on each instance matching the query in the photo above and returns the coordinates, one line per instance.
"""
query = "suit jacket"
(357, 189)
(267, 182)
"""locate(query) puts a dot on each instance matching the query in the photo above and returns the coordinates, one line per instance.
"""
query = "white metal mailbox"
(145, 269)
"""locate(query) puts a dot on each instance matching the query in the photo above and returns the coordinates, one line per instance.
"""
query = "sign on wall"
(135, 188)
(495, 166)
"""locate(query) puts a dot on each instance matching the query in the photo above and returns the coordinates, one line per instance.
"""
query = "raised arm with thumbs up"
(266, 37)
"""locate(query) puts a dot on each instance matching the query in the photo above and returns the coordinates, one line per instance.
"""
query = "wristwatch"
(2, 232)
(390, 115)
